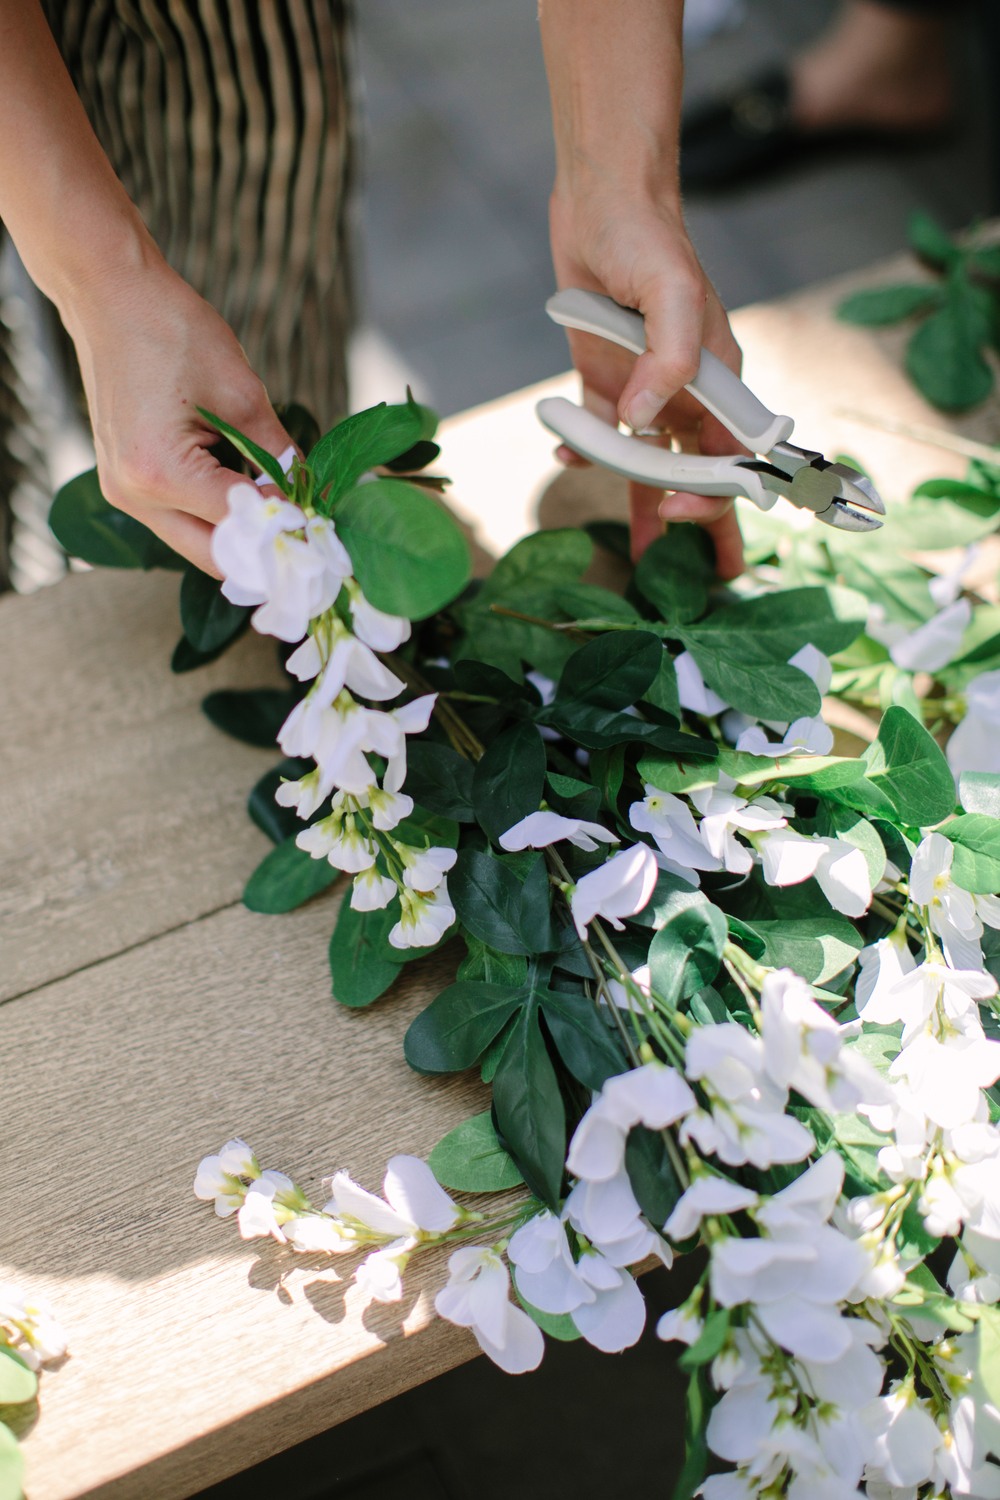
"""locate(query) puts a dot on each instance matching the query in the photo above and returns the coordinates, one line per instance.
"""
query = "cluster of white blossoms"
(289, 562)
(29, 1326)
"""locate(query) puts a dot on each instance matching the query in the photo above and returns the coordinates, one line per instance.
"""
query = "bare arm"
(150, 349)
(615, 77)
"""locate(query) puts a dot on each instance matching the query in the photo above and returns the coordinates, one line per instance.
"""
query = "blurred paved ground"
(458, 165)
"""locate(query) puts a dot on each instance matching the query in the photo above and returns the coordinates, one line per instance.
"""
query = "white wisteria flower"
(705, 1198)
(653, 1095)
(745, 1120)
(602, 1299)
(338, 660)
(371, 891)
(380, 1274)
(540, 829)
(804, 1049)
(674, 831)
(956, 915)
(339, 840)
(424, 869)
(380, 631)
(692, 691)
(31, 1327)
(724, 813)
(477, 1297)
(840, 869)
(220, 1178)
(270, 1199)
(975, 742)
(415, 1204)
(619, 888)
(424, 917)
(934, 644)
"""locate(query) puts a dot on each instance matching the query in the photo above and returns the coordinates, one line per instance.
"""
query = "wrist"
(100, 267)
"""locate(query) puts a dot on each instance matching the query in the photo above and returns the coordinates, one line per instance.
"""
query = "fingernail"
(642, 410)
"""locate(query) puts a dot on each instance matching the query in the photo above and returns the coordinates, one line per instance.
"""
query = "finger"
(728, 542)
(187, 535)
(646, 524)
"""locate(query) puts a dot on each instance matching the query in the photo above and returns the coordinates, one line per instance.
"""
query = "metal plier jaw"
(836, 494)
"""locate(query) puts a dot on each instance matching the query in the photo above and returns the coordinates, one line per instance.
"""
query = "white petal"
(415, 1193)
(615, 1319)
(522, 1347)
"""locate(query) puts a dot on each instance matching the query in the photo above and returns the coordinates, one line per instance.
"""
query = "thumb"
(673, 306)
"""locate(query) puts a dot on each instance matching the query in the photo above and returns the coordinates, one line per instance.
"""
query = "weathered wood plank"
(122, 808)
(193, 1353)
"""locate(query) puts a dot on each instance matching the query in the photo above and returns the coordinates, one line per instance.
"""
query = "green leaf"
(536, 562)
(573, 798)
(976, 839)
(675, 573)
(254, 716)
(662, 692)
(749, 678)
(529, 1109)
(208, 619)
(287, 877)
(979, 792)
(408, 553)
(932, 243)
(279, 823)
(697, 1405)
(613, 670)
(584, 1038)
(458, 1025)
(481, 962)
(651, 1174)
(709, 1343)
(601, 728)
(878, 305)
(496, 908)
(846, 824)
(17, 1383)
(440, 779)
(815, 947)
(470, 1159)
(88, 527)
(366, 440)
(509, 780)
(258, 456)
(11, 1465)
(362, 964)
(186, 659)
(686, 952)
(943, 357)
(987, 1366)
(971, 497)
(906, 764)
(747, 770)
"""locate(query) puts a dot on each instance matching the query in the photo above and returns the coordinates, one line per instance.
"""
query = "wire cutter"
(837, 494)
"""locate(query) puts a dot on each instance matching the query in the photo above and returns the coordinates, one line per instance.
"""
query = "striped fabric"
(229, 123)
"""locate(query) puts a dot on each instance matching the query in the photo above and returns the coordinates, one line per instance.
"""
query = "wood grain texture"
(117, 1080)
(139, 1043)
(122, 808)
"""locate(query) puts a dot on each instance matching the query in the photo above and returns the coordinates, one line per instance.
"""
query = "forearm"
(73, 224)
(615, 77)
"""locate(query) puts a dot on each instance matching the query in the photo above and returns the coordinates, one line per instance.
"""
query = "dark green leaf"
(906, 764)
(686, 952)
(508, 781)
(780, 624)
(529, 1109)
(364, 441)
(601, 728)
(258, 456)
(750, 941)
(254, 716)
(458, 1025)
(584, 1038)
(675, 573)
(415, 458)
(300, 424)
(976, 839)
(878, 305)
(186, 659)
(86, 526)
(613, 670)
(470, 1159)
(286, 878)
(572, 798)
(653, 1179)
(750, 679)
(943, 357)
(662, 692)
(488, 898)
(483, 963)
(971, 497)
(608, 770)
(535, 562)
(932, 243)
(407, 551)
(208, 619)
(362, 964)
(440, 779)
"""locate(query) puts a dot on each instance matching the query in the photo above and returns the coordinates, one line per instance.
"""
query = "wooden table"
(148, 1016)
